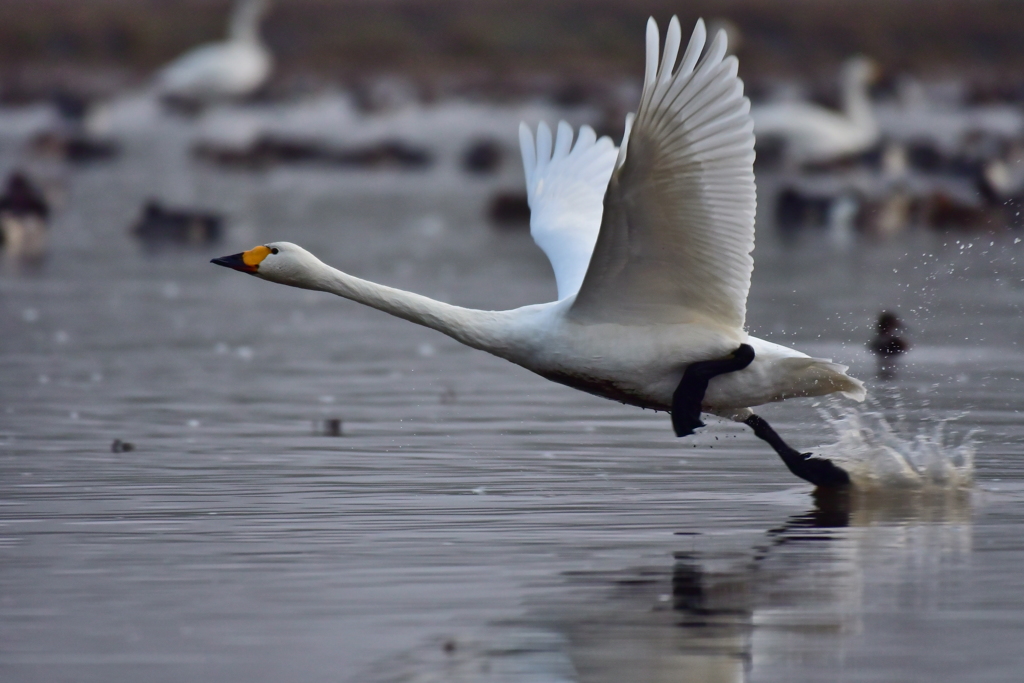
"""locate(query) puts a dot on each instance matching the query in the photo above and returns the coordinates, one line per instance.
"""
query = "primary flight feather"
(678, 224)
(565, 187)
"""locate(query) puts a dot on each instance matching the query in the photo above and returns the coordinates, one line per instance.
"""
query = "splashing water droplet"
(879, 455)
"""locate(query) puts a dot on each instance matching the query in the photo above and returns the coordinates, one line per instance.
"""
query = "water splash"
(880, 454)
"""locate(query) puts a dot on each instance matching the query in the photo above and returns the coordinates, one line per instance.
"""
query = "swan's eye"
(274, 250)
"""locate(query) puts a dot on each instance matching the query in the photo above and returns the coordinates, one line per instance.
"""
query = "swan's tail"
(818, 377)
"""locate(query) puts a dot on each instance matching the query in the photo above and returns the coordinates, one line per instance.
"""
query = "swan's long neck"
(856, 103)
(486, 330)
(245, 22)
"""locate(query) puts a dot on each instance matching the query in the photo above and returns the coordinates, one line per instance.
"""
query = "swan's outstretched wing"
(565, 187)
(678, 224)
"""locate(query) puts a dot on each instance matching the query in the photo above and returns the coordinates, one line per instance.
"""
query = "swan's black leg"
(689, 395)
(818, 472)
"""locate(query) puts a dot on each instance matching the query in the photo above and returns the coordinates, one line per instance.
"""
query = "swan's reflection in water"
(790, 608)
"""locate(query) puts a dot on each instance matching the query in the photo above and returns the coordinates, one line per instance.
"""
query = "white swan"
(232, 68)
(655, 315)
(813, 134)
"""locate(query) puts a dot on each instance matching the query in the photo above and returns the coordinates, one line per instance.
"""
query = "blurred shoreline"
(499, 48)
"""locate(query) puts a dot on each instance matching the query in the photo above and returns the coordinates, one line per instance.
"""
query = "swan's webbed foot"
(823, 473)
(689, 395)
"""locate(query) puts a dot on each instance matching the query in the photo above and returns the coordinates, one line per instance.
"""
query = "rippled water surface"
(473, 522)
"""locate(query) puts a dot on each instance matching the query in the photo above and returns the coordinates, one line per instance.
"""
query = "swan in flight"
(650, 245)
(813, 134)
(232, 68)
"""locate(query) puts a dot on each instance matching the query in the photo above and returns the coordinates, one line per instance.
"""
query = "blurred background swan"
(811, 133)
(233, 68)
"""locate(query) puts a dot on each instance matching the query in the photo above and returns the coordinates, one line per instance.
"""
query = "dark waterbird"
(888, 344)
(159, 226)
(24, 216)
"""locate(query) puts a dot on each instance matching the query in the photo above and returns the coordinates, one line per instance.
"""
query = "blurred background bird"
(888, 344)
(810, 133)
(234, 68)
(24, 216)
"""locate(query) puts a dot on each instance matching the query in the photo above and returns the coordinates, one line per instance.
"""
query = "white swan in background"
(653, 284)
(814, 134)
(232, 68)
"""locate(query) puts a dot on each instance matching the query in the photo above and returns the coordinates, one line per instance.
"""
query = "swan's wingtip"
(858, 393)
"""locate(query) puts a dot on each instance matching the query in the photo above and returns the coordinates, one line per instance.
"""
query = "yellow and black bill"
(246, 261)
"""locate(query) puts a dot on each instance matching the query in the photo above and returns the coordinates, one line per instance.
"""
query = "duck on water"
(24, 217)
(651, 248)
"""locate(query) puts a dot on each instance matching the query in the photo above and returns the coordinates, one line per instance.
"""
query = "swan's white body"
(232, 68)
(652, 279)
(636, 364)
(813, 134)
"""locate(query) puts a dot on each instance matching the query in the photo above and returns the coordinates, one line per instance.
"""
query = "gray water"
(473, 522)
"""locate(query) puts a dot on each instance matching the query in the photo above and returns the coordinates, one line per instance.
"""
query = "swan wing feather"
(565, 184)
(678, 223)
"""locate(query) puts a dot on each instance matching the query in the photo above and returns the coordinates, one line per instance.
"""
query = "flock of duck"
(876, 168)
(650, 240)
(880, 169)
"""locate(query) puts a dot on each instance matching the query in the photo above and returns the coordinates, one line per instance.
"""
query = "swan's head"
(281, 262)
(860, 70)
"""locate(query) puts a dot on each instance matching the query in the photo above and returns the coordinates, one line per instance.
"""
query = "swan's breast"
(608, 388)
